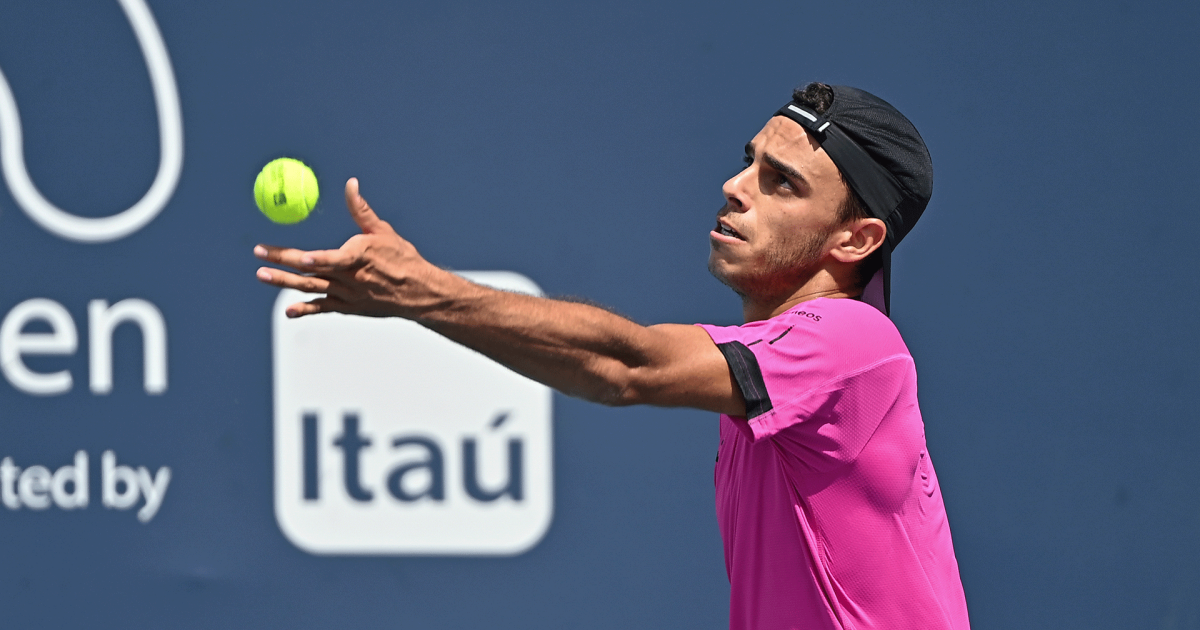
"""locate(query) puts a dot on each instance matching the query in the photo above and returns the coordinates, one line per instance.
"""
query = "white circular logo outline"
(170, 164)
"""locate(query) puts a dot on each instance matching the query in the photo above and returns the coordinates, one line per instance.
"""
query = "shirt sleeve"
(817, 379)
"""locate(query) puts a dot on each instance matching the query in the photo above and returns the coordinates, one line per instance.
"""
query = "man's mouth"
(725, 230)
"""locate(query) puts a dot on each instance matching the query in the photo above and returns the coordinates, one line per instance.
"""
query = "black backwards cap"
(882, 158)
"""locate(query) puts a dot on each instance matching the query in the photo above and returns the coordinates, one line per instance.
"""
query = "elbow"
(622, 389)
(618, 397)
(607, 393)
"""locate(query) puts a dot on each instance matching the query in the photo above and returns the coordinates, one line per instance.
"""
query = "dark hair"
(819, 97)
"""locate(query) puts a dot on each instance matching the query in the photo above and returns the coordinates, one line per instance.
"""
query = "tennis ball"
(286, 190)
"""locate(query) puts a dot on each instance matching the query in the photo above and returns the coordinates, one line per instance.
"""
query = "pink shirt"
(826, 497)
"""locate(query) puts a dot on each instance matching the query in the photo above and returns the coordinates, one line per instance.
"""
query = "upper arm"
(684, 368)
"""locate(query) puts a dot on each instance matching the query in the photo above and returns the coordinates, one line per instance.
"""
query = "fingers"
(348, 256)
(312, 307)
(330, 303)
(321, 260)
(336, 273)
(361, 212)
(289, 280)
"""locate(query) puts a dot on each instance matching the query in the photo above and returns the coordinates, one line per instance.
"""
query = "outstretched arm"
(578, 349)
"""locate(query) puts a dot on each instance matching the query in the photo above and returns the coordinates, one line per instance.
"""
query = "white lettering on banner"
(63, 339)
(170, 129)
(36, 488)
(14, 343)
(137, 484)
(103, 319)
(390, 439)
(41, 327)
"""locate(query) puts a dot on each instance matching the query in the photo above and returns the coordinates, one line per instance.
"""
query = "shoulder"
(834, 325)
(849, 322)
(804, 366)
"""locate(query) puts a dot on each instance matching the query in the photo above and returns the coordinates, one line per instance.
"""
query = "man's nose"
(735, 189)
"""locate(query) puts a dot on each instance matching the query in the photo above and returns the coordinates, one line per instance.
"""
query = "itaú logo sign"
(390, 439)
(170, 129)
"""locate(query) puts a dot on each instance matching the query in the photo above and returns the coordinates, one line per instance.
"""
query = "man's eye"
(748, 161)
(782, 181)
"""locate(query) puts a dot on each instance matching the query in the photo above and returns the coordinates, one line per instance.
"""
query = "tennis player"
(827, 500)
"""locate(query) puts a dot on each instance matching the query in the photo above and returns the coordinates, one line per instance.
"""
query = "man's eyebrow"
(792, 173)
(774, 163)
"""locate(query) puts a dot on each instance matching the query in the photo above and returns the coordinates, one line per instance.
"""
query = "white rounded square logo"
(390, 439)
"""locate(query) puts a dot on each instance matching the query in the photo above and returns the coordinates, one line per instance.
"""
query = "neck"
(820, 285)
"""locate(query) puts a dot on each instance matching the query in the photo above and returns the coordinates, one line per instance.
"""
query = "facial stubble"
(785, 266)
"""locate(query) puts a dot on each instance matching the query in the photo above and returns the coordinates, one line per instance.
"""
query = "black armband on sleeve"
(744, 366)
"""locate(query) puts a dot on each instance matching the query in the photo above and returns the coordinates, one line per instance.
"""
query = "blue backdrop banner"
(174, 453)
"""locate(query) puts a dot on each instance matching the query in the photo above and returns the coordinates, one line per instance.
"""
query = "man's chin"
(721, 272)
(760, 286)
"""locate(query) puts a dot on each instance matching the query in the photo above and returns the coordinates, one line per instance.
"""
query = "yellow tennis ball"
(286, 190)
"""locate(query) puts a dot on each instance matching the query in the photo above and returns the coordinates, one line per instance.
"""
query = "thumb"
(361, 212)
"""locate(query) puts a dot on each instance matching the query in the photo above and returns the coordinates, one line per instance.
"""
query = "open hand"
(376, 273)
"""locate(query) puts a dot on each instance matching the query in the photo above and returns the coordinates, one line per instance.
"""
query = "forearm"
(578, 349)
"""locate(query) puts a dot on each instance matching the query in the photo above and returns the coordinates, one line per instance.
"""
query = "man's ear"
(857, 239)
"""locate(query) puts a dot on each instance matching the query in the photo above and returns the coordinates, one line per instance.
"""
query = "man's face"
(779, 213)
